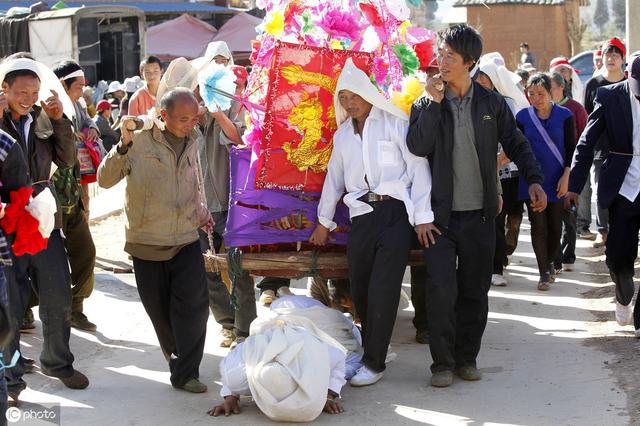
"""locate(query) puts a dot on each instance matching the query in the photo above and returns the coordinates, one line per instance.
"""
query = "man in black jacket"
(616, 117)
(458, 127)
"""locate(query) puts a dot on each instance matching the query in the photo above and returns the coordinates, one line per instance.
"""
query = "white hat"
(131, 84)
(179, 73)
(115, 86)
(528, 67)
(355, 80)
(215, 48)
(48, 81)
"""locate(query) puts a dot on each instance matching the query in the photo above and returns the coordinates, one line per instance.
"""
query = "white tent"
(238, 33)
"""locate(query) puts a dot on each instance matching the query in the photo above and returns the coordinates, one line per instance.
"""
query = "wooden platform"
(328, 265)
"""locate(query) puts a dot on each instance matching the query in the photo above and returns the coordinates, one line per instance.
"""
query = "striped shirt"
(6, 142)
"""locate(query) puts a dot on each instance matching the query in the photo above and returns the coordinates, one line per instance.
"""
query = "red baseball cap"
(615, 42)
(103, 105)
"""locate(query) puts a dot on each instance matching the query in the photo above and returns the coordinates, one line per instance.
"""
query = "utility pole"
(633, 25)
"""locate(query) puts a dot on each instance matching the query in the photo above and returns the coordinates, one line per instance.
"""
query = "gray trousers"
(223, 311)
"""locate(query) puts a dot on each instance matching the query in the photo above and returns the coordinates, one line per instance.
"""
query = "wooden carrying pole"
(297, 264)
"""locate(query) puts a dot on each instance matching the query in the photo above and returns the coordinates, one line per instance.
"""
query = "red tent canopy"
(238, 32)
(184, 36)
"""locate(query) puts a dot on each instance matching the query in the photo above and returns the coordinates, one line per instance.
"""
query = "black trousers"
(174, 294)
(510, 218)
(418, 297)
(566, 252)
(546, 230)
(458, 280)
(47, 273)
(622, 246)
(377, 253)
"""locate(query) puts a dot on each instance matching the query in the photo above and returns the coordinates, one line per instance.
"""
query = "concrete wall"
(504, 27)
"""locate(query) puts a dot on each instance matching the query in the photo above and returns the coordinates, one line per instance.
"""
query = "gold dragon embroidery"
(307, 118)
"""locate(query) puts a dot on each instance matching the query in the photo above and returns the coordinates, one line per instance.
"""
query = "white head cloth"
(215, 48)
(577, 88)
(48, 81)
(355, 80)
(287, 365)
(505, 81)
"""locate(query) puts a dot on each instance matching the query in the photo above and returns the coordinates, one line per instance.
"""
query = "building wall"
(504, 27)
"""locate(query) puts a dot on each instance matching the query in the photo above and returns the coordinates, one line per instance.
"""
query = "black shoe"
(13, 399)
(81, 322)
(28, 322)
(28, 364)
(422, 336)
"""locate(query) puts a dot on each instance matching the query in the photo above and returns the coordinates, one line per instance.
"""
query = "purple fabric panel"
(245, 224)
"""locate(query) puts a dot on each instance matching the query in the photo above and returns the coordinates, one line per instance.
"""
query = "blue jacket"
(611, 116)
(561, 130)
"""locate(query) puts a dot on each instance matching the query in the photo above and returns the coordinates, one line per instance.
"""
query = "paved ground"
(540, 363)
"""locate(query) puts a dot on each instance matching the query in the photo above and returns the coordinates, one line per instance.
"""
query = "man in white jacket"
(388, 192)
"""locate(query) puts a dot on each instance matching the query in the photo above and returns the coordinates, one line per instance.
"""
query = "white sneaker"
(498, 280)
(284, 291)
(624, 314)
(365, 377)
(267, 297)
(391, 356)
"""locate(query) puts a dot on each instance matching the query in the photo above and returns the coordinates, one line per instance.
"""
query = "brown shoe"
(227, 336)
(442, 379)
(469, 373)
(193, 386)
(81, 322)
(76, 381)
(601, 240)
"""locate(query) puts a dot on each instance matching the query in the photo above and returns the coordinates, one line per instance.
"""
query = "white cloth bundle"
(287, 365)
(43, 208)
(331, 321)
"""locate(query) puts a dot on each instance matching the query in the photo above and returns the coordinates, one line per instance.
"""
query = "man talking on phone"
(457, 126)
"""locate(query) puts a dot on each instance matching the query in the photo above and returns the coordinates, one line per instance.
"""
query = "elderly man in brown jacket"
(164, 210)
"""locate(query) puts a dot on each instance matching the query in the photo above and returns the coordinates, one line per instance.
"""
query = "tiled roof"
(147, 6)
(495, 2)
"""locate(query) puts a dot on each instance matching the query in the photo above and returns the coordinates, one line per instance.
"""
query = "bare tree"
(576, 29)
